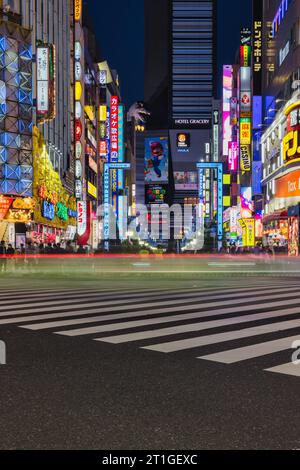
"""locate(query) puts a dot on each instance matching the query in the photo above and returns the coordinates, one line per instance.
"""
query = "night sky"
(120, 30)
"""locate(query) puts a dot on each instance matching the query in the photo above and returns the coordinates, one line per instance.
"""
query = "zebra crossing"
(206, 322)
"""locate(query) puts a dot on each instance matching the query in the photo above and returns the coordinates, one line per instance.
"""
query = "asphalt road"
(153, 367)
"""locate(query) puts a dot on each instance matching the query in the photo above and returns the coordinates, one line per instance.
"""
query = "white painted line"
(80, 295)
(176, 330)
(228, 265)
(131, 306)
(287, 369)
(69, 303)
(190, 343)
(164, 331)
(104, 317)
(250, 352)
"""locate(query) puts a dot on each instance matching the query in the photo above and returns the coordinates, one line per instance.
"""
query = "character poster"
(156, 160)
(294, 236)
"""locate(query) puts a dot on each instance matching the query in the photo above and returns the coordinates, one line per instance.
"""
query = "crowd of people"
(258, 249)
(40, 249)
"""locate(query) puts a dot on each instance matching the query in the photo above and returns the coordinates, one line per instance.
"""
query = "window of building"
(12, 5)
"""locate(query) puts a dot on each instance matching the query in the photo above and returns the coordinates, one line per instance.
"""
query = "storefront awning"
(277, 215)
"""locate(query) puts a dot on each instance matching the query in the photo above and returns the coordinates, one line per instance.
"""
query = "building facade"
(180, 74)
(280, 139)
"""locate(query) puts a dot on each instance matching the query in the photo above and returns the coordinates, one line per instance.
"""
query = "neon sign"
(281, 12)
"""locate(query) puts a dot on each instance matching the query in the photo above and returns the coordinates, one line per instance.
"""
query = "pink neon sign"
(233, 156)
(227, 95)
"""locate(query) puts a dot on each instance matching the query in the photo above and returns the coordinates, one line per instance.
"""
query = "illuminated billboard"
(183, 142)
(245, 131)
(291, 141)
(45, 69)
(156, 194)
(156, 160)
(233, 156)
(227, 95)
(16, 103)
(186, 180)
(247, 206)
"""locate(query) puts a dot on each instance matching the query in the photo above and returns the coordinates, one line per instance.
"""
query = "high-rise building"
(193, 62)
(180, 61)
(180, 85)
(36, 145)
(280, 143)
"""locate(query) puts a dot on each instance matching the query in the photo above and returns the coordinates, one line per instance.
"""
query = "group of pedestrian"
(40, 249)
(258, 249)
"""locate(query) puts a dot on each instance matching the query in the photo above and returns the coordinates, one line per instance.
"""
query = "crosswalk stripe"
(163, 332)
(190, 343)
(130, 304)
(28, 298)
(136, 314)
(250, 352)
(286, 369)
(80, 295)
(64, 303)
(132, 293)
(176, 330)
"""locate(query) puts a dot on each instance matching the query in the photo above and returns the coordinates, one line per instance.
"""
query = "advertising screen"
(183, 142)
(227, 95)
(294, 236)
(156, 160)
(186, 180)
(155, 195)
(247, 206)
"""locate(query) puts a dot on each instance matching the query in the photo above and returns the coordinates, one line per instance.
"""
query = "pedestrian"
(69, 248)
(49, 249)
(10, 250)
(60, 250)
(3, 260)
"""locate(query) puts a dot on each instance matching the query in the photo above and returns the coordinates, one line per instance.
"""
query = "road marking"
(136, 314)
(147, 293)
(190, 343)
(249, 352)
(101, 295)
(165, 331)
(176, 330)
(131, 305)
(287, 369)
(220, 264)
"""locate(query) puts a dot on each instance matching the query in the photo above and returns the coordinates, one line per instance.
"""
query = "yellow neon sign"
(290, 146)
(77, 10)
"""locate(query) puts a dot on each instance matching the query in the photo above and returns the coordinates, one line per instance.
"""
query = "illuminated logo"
(183, 142)
(291, 146)
(77, 10)
(245, 157)
(78, 130)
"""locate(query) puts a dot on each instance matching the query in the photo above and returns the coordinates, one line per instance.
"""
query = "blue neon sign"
(281, 12)
(219, 168)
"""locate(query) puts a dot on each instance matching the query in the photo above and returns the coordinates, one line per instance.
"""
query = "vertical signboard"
(77, 10)
(227, 95)
(233, 156)
(79, 136)
(216, 124)
(114, 147)
(42, 70)
(257, 46)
